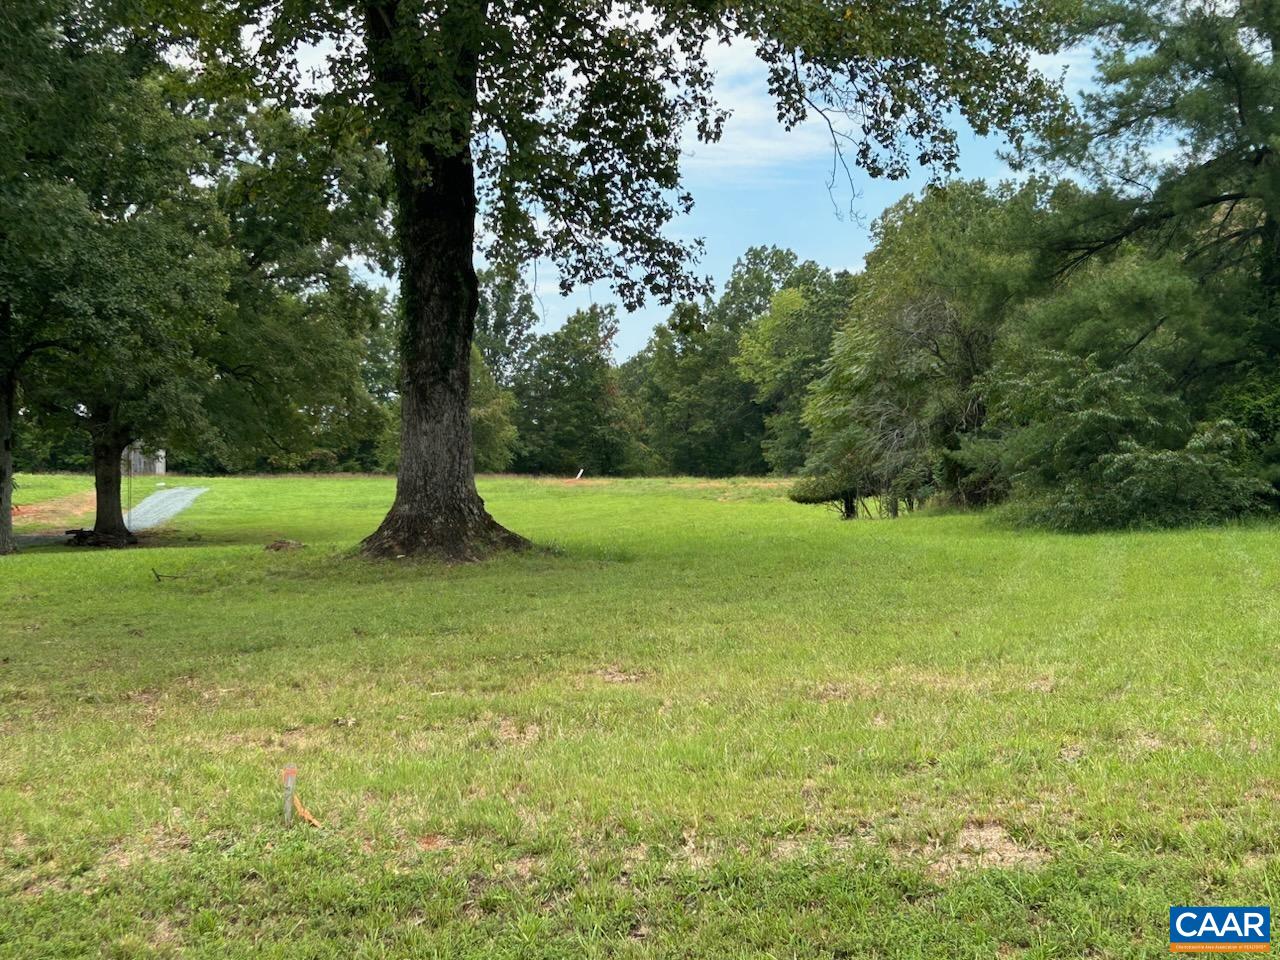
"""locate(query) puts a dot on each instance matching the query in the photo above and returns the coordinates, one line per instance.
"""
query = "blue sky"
(762, 185)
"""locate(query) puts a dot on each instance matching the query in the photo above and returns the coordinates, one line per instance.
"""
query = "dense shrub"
(1090, 446)
(1203, 482)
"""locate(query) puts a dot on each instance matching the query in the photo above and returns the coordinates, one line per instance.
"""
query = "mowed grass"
(706, 723)
(36, 488)
(54, 502)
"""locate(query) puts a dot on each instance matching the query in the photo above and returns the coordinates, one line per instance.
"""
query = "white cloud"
(755, 145)
(753, 142)
(1073, 65)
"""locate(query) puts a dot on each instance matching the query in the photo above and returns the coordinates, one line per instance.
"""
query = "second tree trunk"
(109, 529)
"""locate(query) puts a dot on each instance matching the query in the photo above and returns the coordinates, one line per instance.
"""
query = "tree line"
(1093, 345)
(188, 236)
(1096, 345)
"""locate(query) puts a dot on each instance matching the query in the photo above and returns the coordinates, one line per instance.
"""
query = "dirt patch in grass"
(695, 854)
(524, 867)
(789, 848)
(157, 844)
(434, 841)
(616, 674)
(514, 732)
(1143, 743)
(163, 935)
(293, 738)
(54, 516)
(981, 846)
(632, 859)
(154, 846)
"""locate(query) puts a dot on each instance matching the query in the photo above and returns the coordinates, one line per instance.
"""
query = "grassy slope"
(33, 488)
(713, 724)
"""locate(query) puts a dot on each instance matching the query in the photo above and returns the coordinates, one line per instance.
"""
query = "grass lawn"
(39, 488)
(56, 502)
(709, 723)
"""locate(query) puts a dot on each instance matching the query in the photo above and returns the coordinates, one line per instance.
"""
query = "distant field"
(707, 723)
(55, 502)
(30, 488)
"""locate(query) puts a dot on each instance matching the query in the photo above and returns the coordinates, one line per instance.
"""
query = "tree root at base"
(451, 543)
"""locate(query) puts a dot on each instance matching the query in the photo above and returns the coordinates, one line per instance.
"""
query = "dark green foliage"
(1104, 353)
(703, 414)
(843, 486)
(902, 388)
(699, 415)
(573, 112)
(1137, 389)
(175, 264)
(504, 322)
(1112, 447)
(256, 361)
(1253, 402)
(304, 201)
(143, 261)
(781, 353)
(493, 430)
(571, 414)
(85, 133)
(1180, 136)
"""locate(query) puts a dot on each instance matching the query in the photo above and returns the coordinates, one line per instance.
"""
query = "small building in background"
(140, 463)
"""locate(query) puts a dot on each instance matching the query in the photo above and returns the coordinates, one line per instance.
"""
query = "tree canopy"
(185, 258)
(571, 414)
(173, 262)
(557, 127)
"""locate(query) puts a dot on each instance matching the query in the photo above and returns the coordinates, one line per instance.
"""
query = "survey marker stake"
(290, 777)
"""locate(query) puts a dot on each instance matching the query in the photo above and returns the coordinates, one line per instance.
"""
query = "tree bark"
(437, 511)
(8, 413)
(109, 529)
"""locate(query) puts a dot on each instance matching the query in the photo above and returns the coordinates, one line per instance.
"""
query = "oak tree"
(559, 124)
(107, 245)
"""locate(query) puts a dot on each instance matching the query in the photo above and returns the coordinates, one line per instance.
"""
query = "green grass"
(709, 723)
(33, 488)
(69, 495)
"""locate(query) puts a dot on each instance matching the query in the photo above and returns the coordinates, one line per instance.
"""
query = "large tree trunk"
(437, 511)
(109, 529)
(8, 413)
